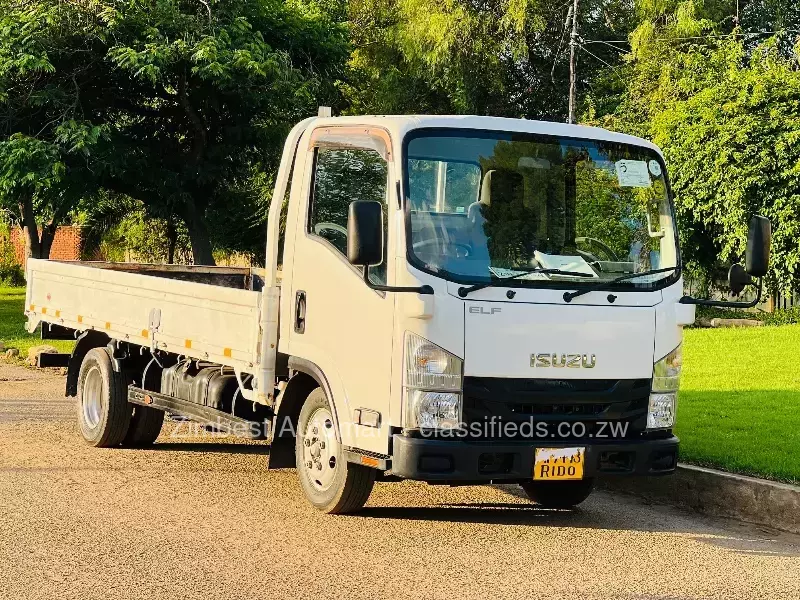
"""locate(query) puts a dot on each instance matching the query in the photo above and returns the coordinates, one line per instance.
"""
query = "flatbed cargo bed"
(200, 312)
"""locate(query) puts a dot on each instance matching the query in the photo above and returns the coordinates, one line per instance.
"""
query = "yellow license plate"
(558, 463)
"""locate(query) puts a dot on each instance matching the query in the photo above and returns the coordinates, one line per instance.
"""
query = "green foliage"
(11, 276)
(727, 115)
(501, 57)
(781, 316)
(46, 139)
(137, 238)
(175, 104)
(10, 272)
(215, 90)
(710, 312)
(784, 316)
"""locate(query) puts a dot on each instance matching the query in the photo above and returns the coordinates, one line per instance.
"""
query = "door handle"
(300, 312)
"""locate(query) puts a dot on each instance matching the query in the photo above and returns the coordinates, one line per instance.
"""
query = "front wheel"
(329, 482)
(558, 494)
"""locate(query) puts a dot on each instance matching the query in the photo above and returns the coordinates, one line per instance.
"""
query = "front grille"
(562, 410)
(551, 401)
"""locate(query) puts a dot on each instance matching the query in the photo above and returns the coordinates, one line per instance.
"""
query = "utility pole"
(573, 59)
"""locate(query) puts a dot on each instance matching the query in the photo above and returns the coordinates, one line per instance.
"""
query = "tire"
(104, 413)
(145, 426)
(558, 494)
(330, 483)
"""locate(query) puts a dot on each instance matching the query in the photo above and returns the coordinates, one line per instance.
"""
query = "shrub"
(710, 312)
(11, 276)
(784, 316)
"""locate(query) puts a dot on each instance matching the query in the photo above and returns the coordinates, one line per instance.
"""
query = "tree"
(500, 58)
(44, 142)
(215, 88)
(188, 99)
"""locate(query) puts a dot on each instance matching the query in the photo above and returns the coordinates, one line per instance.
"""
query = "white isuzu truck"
(461, 300)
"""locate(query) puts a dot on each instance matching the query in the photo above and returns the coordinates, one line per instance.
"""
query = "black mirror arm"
(425, 289)
(724, 304)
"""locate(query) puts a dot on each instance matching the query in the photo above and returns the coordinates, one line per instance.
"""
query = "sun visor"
(373, 138)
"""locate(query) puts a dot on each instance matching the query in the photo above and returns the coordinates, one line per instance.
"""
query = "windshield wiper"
(463, 291)
(568, 296)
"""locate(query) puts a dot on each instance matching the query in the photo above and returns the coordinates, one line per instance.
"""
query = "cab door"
(338, 323)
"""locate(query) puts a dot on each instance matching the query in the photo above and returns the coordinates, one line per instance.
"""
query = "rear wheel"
(103, 410)
(558, 494)
(329, 482)
(145, 426)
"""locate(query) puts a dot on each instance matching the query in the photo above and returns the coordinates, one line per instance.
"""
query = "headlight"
(661, 411)
(432, 386)
(664, 392)
(432, 410)
(667, 372)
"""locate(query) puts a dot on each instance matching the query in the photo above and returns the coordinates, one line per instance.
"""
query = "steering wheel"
(320, 227)
(450, 250)
(590, 241)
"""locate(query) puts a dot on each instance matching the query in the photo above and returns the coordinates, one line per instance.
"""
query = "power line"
(610, 45)
(696, 37)
(608, 64)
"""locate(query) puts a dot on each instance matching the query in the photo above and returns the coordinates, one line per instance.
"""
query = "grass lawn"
(739, 404)
(12, 325)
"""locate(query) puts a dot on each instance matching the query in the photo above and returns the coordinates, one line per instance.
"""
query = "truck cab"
(520, 300)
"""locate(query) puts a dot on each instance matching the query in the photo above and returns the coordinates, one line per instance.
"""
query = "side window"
(340, 177)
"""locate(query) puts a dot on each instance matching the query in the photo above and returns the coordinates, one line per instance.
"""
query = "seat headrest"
(486, 188)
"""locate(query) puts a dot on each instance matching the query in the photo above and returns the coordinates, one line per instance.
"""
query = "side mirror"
(365, 233)
(756, 264)
(365, 243)
(738, 278)
(759, 238)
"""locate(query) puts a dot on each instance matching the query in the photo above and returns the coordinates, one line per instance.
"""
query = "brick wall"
(66, 244)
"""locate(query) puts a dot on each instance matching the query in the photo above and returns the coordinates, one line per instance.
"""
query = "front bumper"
(464, 461)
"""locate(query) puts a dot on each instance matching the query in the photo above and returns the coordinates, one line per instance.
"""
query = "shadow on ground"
(603, 512)
(211, 447)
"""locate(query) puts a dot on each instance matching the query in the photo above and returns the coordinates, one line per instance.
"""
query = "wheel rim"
(91, 398)
(320, 449)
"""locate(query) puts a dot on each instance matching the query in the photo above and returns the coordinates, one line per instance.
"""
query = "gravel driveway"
(202, 518)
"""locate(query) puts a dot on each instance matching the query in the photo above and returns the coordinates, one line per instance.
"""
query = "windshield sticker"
(562, 262)
(655, 168)
(633, 173)
(503, 273)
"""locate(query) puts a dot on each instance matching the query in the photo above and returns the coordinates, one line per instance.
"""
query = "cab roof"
(399, 125)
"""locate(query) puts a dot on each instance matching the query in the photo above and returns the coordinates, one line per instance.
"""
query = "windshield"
(489, 205)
